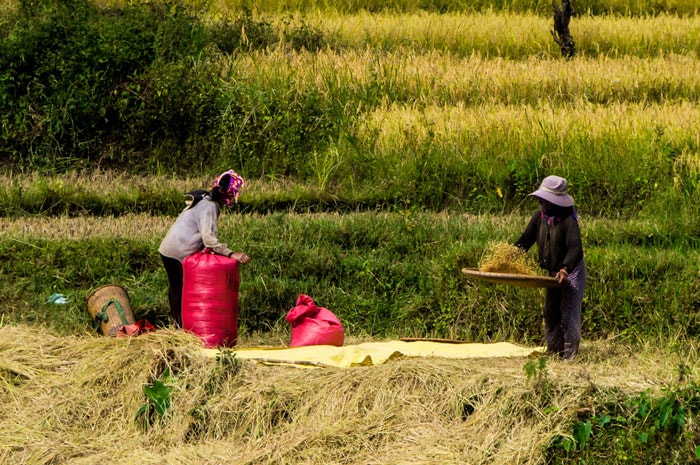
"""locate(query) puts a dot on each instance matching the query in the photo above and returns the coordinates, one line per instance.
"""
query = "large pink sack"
(313, 325)
(210, 298)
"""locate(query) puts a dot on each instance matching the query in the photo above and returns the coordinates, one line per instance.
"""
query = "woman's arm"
(529, 236)
(209, 229)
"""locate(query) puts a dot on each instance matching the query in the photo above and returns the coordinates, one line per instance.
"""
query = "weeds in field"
(324, 165)
(641, 428)
(540, 382)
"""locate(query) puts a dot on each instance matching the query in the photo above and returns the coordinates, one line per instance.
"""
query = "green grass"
(383, 274)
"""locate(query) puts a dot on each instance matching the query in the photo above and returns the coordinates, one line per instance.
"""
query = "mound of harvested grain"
(76, 400)
(503, 257)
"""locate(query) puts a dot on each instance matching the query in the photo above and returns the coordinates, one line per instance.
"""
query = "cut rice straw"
(74, 400)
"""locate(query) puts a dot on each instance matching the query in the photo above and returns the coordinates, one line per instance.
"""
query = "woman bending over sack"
(195, 229)
(555, 229)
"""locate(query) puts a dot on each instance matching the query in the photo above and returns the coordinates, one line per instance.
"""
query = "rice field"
(445, 118)
(481, 105)
(477, 100)
(594, 7)
(439, 78)
(494, 34)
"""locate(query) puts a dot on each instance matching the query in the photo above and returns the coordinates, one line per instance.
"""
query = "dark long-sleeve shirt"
(559, 244)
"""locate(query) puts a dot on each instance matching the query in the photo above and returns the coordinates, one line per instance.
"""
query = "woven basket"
(520, 280)
(109, 308)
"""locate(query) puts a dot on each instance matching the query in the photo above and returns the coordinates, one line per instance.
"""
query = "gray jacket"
(196, 228)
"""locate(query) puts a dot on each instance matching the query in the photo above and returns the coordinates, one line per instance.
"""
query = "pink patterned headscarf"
(233, 188)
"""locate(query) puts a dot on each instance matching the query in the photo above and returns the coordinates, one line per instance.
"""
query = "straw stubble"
(74, 400)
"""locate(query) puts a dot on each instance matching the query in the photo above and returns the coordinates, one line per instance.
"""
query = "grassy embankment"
(385, 274)
(421, 124)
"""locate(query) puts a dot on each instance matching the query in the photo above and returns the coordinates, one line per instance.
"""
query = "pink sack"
(313, 325)
(210, 298)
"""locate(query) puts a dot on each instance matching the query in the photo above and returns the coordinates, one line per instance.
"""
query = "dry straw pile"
(503, 257)
(74, 400)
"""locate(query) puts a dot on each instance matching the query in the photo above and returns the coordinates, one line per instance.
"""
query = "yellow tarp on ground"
(375, 353)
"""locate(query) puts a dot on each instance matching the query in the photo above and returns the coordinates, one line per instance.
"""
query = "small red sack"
(313, 325)
(140, 327)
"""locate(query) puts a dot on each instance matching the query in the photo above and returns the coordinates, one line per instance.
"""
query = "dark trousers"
(173, 268)
(562, 314)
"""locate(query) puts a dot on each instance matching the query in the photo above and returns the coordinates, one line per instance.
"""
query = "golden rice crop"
(618, 7)
(398, 128)
(519, 122)
(526, 33)
(434, 78)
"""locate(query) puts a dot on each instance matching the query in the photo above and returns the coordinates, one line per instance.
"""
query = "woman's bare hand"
(240, 257)
(562, 276)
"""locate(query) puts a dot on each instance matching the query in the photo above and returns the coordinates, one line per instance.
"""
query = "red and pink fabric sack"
(313, 325)
(210, 298)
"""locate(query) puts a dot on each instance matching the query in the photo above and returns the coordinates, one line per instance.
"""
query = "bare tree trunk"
(561, 33)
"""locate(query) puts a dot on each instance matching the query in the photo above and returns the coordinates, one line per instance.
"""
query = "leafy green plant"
(303, 36)
(637, 429)
(324, 165)
(536, 372)
(538, 377)
(158, 400)
(227, 366)
(581, 434)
